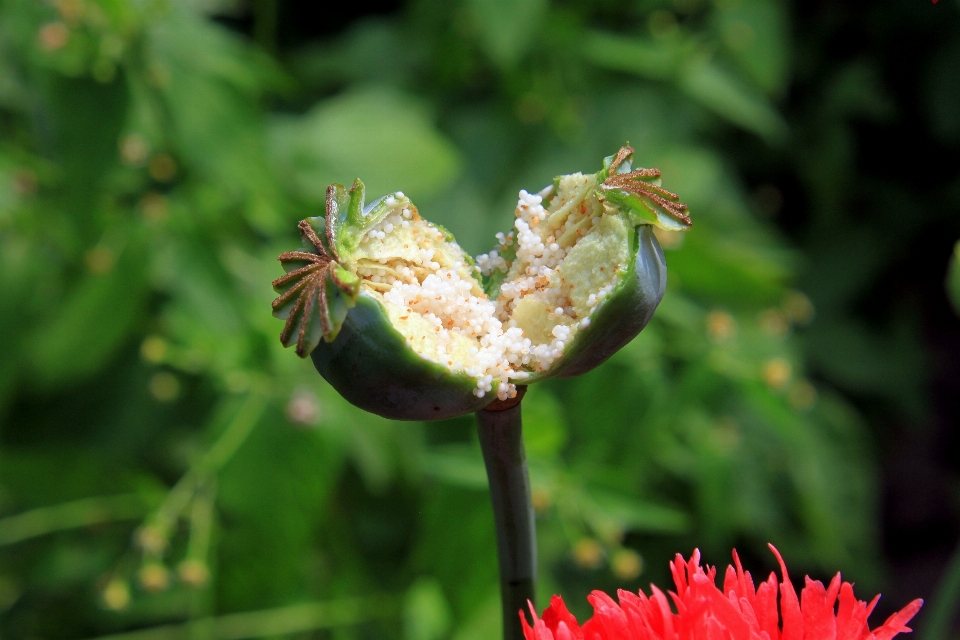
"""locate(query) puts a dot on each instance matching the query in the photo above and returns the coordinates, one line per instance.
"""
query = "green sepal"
(605, 172)
(352, 217)
(644, 210)
(340, 299)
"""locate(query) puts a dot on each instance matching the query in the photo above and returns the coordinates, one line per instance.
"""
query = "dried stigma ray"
(646, 184)
(307, 287)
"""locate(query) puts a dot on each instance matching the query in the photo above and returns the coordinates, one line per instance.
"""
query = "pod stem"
(501, 439)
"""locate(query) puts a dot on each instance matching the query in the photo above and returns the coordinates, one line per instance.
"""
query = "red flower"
(739, 612)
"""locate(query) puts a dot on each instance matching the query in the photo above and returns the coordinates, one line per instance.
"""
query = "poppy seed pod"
(404, 324)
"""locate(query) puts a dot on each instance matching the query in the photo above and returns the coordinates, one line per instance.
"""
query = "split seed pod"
(406, 325)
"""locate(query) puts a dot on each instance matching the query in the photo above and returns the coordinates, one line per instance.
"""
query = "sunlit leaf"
(80, 336)
(377, 133)
(426, 612)
(756, 34)
(722, 93)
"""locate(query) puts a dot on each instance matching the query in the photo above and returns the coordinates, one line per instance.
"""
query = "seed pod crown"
(400, 320)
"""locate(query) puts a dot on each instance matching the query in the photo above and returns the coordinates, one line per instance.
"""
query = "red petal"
(667, 631)
(749, 615)
(636, 607)
(563, 632)
(556, 613)
(745, 580)
(605, 620)
(818, 620)
(897, 622)
(527, 631)
(851, 615)
(789, 605)
(714, 630)
(726, 613)
(832, 591)
(678, 573)
(765, 606)
(730, 581)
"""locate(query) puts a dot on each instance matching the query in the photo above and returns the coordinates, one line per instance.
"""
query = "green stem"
(235, 434)
(222, 450)
(70, 515)
(501, 439)
(201, 522)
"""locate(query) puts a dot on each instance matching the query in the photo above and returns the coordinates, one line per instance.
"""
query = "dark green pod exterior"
(373, 367)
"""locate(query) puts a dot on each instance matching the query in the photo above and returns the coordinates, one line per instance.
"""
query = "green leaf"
(544, 429)
(426, 614)
(92, 323)
(639, 515)
(654, 59)
(677, 60)
(456, 465)
(727, 96)
(208, 80)
(756, 35)
(273, 494)
(377, 133)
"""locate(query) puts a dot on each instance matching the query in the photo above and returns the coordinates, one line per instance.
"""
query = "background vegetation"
(166, 466)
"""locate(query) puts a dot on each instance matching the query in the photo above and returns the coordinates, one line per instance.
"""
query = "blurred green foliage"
(953, 278)
(165, 463)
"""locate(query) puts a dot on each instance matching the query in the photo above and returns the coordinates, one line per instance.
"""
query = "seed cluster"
(450, 300)
(543, 240)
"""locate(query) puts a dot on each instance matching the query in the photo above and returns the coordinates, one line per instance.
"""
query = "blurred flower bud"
(626, 564)
(164, 387)
(721, 326)
(116, 595)
(773, 322)
(798, 307)
(53, 36)
(541, 499)
(193, 573)
(776, 373)
(304, 408)
(154, 577)
(588, 553)
(151, 539)
(162, 167)
(134, 149)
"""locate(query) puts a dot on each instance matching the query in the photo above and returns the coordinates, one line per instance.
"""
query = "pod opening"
(515, 310)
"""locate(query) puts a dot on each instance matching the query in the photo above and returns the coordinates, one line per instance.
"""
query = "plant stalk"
(501, 439)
